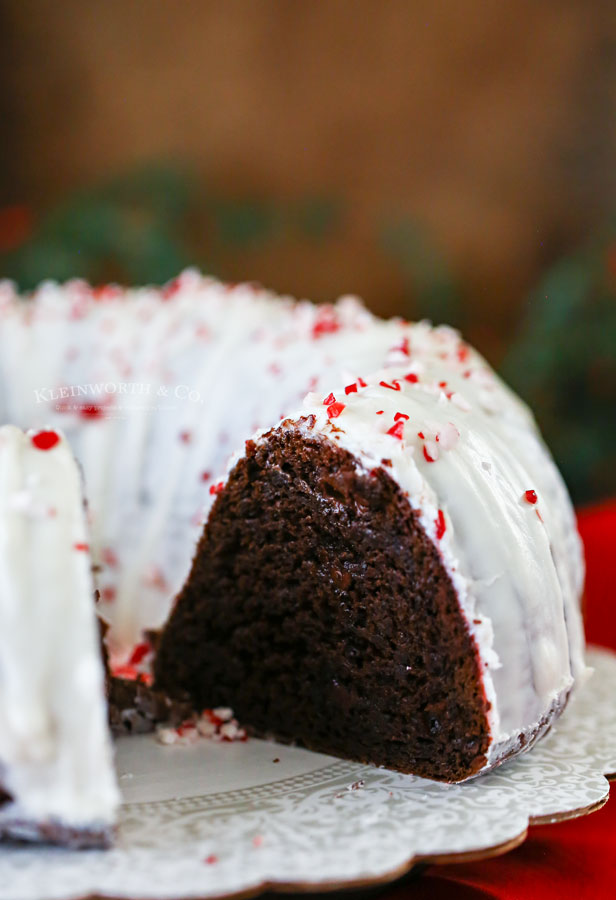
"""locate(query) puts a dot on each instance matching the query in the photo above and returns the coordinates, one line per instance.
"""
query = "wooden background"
(493, 123)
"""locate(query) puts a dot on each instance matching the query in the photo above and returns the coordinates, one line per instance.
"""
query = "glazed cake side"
(321, 612)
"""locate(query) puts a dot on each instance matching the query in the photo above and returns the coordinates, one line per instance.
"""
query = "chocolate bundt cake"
(391, 573)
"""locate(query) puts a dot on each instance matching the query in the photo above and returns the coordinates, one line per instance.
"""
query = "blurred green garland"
(137, 229)
(563, 362)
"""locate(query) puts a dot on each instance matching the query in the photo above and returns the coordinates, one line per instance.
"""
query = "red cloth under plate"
(569, 859)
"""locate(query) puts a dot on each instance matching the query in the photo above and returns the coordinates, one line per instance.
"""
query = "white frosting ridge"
(55, 752)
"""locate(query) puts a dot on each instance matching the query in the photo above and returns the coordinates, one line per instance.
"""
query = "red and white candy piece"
(45, 440)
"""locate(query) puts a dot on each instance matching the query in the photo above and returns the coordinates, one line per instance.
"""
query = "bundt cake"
(390, 573)
(57, 781)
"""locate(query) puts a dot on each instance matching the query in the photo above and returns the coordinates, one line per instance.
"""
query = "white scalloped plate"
(210, 820)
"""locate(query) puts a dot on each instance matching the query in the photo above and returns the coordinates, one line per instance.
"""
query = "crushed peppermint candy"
(404, 347)
(131, 673)
(530, 496)
(140, 651)
(394, 386)
(230, 731)
(109, 557)
(412, 378)
(217, 725)
(172, 287)
(334, 409)
(45, 440)
(448, 436)
(326, 323)
(355, 786)
(329, 399)
(206, 727)
(440, 524)
(430, 451)
(108, 594)
(460, 401)
(351, 388)
(167, 736)
(217, 488)
(397, 430)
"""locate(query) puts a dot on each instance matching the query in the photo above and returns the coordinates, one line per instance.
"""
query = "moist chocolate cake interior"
(319, 610)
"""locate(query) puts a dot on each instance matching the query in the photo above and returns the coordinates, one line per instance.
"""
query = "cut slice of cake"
(57, 781)
(392, 577)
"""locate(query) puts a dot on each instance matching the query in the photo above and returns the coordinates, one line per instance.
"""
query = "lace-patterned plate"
(212, 820)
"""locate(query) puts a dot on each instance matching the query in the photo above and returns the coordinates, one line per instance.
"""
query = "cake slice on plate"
(57, 781)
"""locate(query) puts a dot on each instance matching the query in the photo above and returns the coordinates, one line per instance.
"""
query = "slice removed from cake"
(57, 781)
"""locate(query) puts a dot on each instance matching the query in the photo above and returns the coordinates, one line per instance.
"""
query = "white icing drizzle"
(55, 750)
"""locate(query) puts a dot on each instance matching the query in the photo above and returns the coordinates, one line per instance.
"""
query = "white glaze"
(55, 752)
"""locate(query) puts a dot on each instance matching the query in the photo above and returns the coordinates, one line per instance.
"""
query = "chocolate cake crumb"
(320, 611)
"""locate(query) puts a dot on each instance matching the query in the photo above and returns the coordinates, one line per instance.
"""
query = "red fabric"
(598, 529)
(569, 859)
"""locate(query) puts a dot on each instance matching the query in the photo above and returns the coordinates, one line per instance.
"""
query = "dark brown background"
(493, 123)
